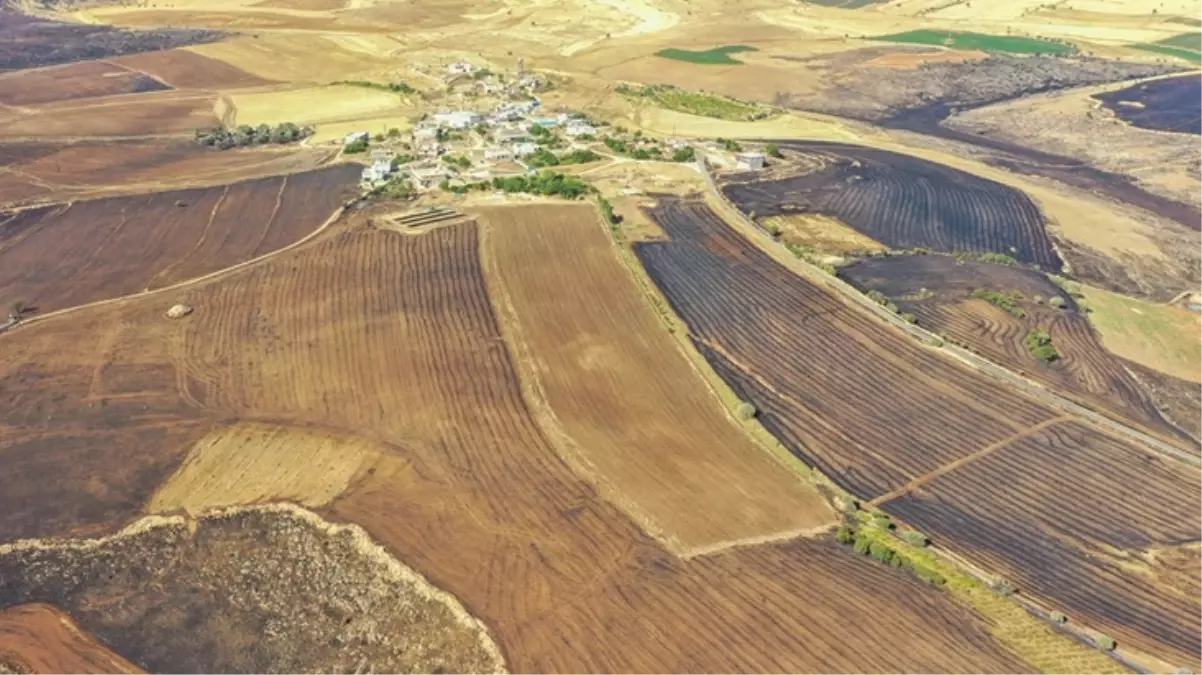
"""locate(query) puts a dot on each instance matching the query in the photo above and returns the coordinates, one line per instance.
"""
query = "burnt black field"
(1173, 104)
(29, 42)
(905, 203)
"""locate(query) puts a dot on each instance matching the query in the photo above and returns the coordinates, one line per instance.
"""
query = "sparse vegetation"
(1006, 301)
(395, 87)
(979, 41)
(245, 135)
(746, 411)
(607, 211)
(719, 56)
(696, 103)
(356, 147)
(773, 150)
(685, 154)
(915, 538)
(1040, 345)
(1106, 642)
(998, 259)
(1058, 618)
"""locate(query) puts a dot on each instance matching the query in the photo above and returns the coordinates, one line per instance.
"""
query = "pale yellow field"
(306, 57)
(252, 463)
(318, 105)
(1162, 337)
(825, 233)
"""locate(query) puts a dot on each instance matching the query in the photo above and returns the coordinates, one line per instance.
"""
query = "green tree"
(356, 147)
(773, 150)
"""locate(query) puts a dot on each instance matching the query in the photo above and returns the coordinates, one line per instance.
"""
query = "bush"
(686, 154)
(1106, 642)
(1002, 587)
(1057, 302)
(1007, 301)
(773, 150)
(909, 317)
(746, 411)
(845, 535)
(930, 576)
(882, 522)
(862, 546)
(877, 297)
(356, 147)
(915, 538)
(1040, 345)
(607, 211)
(998, 259)
(1058, 617)
(880, 552)
(851, 504)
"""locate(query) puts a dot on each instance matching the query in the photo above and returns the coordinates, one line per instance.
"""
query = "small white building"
(525, 149)
(425, 176)
(498, 154)
(378, 171)
(460, 119)
(461, 68)
(749, 161)
(356, 136)
(578, 128)
(382, 155)
(423, 134)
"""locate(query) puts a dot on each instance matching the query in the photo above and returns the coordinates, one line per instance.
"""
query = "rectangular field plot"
(1083, 523)
(645, 427)
(79, 80)
(153, 113)
(869, 408)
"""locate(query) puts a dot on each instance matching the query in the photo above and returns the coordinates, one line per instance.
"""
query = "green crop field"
(1192, 56)
(1189, 41)
(718, 56)
(988, 43)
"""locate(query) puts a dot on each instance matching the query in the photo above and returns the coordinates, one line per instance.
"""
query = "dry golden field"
(631, 412)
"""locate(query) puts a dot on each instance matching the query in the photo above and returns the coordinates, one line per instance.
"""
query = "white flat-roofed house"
(356, 136)
(498, 154)
(749, 161)
(578, 128)
(524, 149)
(425, 176)
(460, 119)
(378, 171)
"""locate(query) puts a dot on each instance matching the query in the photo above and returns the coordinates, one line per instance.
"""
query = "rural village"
(608, 336)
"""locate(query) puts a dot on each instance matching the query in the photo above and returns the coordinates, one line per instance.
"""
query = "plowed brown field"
(884, 417)
(38, 638)
(185, 69)
(394, 337)
(152, 114)
(78, 80)
(1085, 371)
(59, 171)
(64, 255)
(640, 421)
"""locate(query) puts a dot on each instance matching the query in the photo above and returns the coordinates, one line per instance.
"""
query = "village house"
(579, 128)
(498, 154)
(461, 68)
(749, 161)
(378, 171)
(426, 176)
(356, 136)
(524, 149)
(425, 133)
(460, 119)
(510, 134)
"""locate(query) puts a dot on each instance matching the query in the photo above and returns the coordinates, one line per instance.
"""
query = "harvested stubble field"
(882, 416)
(38, 638)
(64, 255)
(45, 171)
(904, 203)
(407, 352)
(1070, 516)
(162, 113)
(1172, 104)
(185, 69)
(938, 290)
(89, 79)
(639, 422)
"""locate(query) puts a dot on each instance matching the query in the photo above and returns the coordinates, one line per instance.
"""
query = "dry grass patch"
(1161, 337)
(822, 232)
(314, 105)
(250, 463)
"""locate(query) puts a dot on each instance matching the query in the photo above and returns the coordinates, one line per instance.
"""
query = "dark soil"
(905, 203)
(254, 591)
(1173, 104)
(938, 291)
(28, 42)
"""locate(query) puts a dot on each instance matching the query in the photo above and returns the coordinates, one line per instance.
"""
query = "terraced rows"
(845, 380)
(905, 203)
(1055, 513)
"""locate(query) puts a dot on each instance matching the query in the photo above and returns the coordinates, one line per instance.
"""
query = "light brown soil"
(185, 69)
(39, 638)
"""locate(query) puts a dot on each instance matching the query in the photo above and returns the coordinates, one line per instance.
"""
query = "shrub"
(930, 576)
(1106, 642)
(1057, 302)
(746, 411)
(684, 155)
(1002, 587)
(909, 317)
(851, 504)
(1040, 345)
(1007, 301)
(880, 552)
(915, 538)
(936, 341)
(845, 535)
(356, 147)
(877, 297)
(862, 546)
(607, 211)
(773, 150)
(882, 522)
(1058, 617)
(998, 259)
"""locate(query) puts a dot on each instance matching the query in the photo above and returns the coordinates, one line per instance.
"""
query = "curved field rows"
(36, 638)
(643, 425)
(1049, 511)
(871, 409)
(883, 416)
(70, 254)
(88, 79)
(905, 203)
(1085, 372)
(394, 338)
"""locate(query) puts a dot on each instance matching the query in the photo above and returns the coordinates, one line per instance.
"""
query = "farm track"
(905, 203)
(393, 338)
(874, 411)
(938, 291)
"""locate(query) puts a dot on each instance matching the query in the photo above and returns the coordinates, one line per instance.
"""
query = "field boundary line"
(968, 459)
(189, 282)
(840, 288)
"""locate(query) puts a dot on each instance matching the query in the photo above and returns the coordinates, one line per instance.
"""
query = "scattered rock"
(178, 311)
